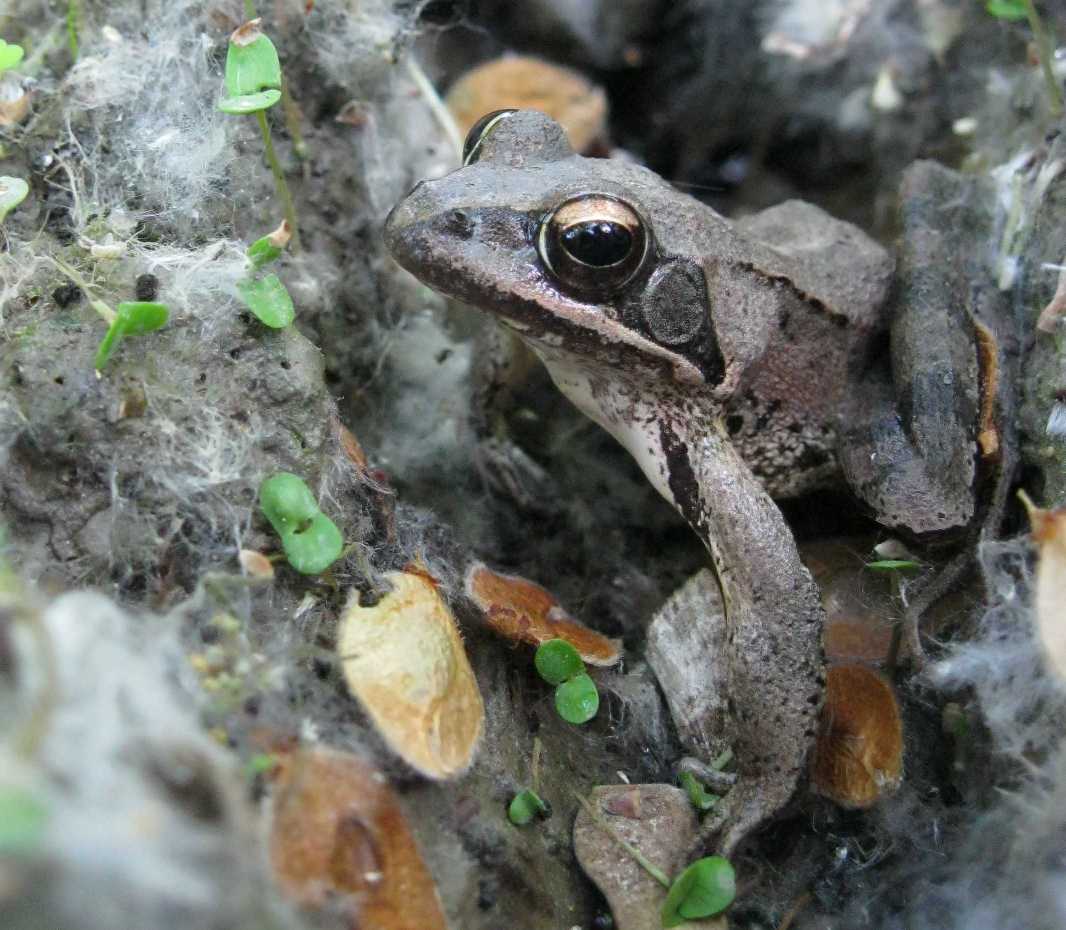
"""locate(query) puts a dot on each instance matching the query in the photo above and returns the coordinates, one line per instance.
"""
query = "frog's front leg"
(918, 433)
(763, 648)
(773, 660)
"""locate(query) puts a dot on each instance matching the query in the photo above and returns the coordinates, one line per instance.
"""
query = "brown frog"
(735, 361)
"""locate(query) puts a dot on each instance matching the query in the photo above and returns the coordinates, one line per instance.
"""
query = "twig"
(535, 765)
(99, 306)
(436, 105)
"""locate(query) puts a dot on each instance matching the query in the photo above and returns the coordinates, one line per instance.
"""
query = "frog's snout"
(400, 231)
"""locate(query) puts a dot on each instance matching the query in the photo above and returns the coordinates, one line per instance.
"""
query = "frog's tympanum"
(727, 358)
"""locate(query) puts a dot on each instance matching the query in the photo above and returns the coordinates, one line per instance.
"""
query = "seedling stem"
(279, 179)
(1043, 45)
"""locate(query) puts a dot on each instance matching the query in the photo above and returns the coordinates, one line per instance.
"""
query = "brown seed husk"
(338, 828)
(526, 83)
(858, 757)
(524, 612)
(403, 658)
(1049, 534)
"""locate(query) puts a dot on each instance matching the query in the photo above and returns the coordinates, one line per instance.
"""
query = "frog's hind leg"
(908, 446)
(918, 433)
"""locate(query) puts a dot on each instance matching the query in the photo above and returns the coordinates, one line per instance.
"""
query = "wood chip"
(858, 757)
(404, 660)
(1056, 309)
(524, 612)
(1049, 534)
(338, 828)
(988, 358)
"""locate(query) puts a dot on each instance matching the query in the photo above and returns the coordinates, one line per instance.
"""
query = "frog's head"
(563, 250)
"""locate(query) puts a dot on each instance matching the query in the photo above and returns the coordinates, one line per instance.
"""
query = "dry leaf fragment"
(988, 357)
(1056, 308)
(526, 83)
(1049, 534)
(256, 564)
(660, 821)
(337, 827)
(14, 100)
(859, 753)
(525, 612)
(404, 660)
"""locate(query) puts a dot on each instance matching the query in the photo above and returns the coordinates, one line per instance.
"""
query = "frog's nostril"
(459, 223)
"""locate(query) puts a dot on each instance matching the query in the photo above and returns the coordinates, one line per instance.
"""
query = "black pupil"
(597, 242)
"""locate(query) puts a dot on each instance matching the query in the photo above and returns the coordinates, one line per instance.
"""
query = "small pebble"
(147, 287)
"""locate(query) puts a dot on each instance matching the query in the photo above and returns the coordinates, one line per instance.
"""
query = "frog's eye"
(479, 132)
(593, 244)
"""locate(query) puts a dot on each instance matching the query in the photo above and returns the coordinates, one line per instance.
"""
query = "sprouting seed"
(705, 888)
(268, 299)
(311, 540)
(131, 319)
(577, 700)
(557, 661)
(525, 806)
(12, 190)
(10, 55)
(700, 797)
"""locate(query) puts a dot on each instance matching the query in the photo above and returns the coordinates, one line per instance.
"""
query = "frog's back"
(824, 284)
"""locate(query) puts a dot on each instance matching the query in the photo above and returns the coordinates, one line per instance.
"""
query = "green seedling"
(576, 698)
(266, 296)
(262, 763)
(1007, 9)
(311, 540)
(700, 797)
(130, 319)
(10, 55)
(249, 103)
(253, 85)
(22, 822)
(707, 887)
(12, 192)
(525, 806)
(557, 661)
(1017, 10)
(269, 248)
(894, 568)
(252, 69)
(893, 565)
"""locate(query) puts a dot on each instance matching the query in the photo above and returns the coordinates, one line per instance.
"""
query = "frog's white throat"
(631, 413)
